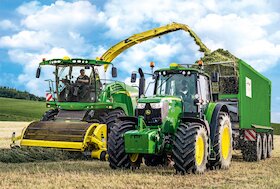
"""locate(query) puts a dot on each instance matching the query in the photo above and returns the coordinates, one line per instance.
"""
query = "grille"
(154, 118)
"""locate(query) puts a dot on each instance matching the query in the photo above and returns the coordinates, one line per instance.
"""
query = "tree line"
(7, 92)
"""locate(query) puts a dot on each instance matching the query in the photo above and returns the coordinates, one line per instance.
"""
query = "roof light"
(174, 65)
(43, 59)
(66, 58)
(152, 64)
(200, 63)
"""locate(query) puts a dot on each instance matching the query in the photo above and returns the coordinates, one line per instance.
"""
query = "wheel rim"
(199, 150)
(225, 142)
(133, 157)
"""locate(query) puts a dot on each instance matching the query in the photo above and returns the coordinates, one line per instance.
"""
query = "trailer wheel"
(269, 145)
(264, 146)
(116, 149)
(252, 150)
(222, 144)
(111, 118)
(190, 148)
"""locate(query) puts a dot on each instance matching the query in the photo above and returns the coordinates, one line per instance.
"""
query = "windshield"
(78, 83)
(178, 85)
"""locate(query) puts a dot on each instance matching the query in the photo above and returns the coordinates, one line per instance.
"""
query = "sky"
(32, 30)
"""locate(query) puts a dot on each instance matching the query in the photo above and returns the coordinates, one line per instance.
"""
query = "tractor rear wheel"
(269, 145)
(264, 146)
(116, 148)
(50, 115)
(222, 144)
(252, 150)
(112, 117)
(190, 148)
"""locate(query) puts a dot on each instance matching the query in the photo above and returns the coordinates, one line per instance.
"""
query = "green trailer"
(197, 115)
(247, 95)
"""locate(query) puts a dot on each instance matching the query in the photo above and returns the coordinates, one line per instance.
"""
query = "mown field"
(97, 174)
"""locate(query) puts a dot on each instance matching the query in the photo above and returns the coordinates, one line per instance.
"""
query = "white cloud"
(248, 29)
(8, 25)
(78, 16)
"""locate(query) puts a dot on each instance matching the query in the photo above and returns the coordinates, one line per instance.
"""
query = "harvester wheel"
(190, 148)
(50, 115)
(264, 146)
(269, 145)
(252, 150)
(116, 149)
(222, 144)
(112, 116)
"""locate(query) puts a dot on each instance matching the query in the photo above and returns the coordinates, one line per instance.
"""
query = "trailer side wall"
(254, 97)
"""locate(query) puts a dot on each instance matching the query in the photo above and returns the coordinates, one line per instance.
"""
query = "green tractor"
(83, 108)
(188, 124)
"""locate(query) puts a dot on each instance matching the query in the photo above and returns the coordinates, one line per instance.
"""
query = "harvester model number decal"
(248, 87)
(250, 135)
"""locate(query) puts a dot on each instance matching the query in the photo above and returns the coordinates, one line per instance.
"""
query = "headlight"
(141, 105)
(156, 105)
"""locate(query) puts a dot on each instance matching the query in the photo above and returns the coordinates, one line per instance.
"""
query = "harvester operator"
(83, 78)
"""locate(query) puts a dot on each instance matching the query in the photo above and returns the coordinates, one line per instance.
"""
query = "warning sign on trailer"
(248, 87)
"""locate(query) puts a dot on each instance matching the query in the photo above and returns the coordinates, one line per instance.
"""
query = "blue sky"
(32, 30)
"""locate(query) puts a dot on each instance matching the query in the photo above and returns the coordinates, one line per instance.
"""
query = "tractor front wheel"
(190, 148)
(116, 148)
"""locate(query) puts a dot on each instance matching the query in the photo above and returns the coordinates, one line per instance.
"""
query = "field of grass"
(21, 110)
(97, 174)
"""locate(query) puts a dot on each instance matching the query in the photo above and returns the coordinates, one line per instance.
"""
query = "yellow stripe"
(53, 144)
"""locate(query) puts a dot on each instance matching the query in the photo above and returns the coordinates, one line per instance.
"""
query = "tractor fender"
(215, 118)
(201, 121)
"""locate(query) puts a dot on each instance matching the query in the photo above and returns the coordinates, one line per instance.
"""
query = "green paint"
(209, 111)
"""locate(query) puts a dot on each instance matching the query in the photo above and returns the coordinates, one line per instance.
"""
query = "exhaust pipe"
(141, 82)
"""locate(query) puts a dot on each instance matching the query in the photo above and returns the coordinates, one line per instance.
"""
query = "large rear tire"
(222, 144)
(190, 148)
(116, 148)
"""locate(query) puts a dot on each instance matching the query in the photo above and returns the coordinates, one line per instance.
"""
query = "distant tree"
(8, 92)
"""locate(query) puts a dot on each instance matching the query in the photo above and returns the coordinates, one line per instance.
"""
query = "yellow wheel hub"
(199, 150)
(225, 143)
(133, 157)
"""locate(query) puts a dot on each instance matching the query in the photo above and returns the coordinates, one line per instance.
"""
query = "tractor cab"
(76, 80)
(188, 84)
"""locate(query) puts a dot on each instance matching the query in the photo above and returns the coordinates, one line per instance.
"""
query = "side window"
(204, 89)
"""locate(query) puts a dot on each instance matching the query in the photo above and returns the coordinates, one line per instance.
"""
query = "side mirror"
(114, 72)
(133, 77)
(215, 77)
(38, 72)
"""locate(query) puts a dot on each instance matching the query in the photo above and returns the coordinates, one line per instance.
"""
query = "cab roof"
(73, 62)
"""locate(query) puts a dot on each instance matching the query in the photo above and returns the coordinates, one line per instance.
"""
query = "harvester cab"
(83, 107)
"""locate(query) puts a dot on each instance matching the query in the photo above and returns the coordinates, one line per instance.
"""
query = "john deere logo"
(148, 112)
